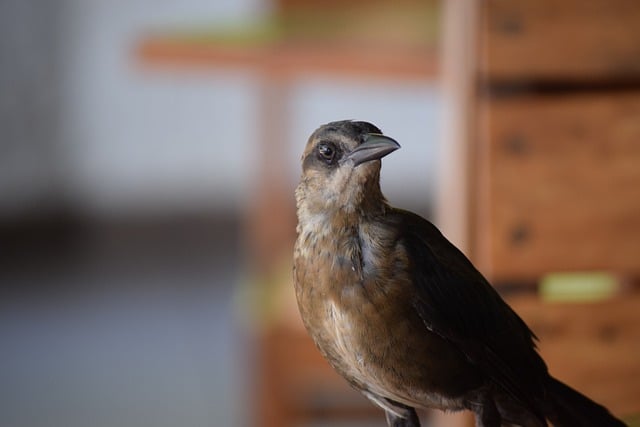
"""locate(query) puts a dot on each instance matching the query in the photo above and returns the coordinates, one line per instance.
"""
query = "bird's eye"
(327, 152)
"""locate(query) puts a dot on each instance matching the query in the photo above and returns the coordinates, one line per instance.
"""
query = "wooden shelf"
(568, 41)
(289, 60)
(594, 347)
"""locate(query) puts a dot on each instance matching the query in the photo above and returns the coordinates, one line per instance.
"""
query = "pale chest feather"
(337, 297)
(335, 321)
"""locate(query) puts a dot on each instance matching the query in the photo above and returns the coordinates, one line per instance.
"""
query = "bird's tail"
(570, 408)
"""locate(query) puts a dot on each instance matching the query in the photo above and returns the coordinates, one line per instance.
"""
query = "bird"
(400, 312)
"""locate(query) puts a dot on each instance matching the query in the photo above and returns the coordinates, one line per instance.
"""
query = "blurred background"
(148, 156)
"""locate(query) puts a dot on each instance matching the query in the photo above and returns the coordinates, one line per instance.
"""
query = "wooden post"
(454, 197)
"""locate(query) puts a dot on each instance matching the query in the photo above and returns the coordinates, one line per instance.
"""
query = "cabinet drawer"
(560, 185)
(593, 347)
(561, 40)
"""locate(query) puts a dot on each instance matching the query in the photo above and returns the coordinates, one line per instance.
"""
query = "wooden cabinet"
(560, 186)
(568, 40)
(549, 158)
(593, 347)
(543, 139)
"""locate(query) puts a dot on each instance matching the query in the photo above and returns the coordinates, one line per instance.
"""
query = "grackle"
(400, 312)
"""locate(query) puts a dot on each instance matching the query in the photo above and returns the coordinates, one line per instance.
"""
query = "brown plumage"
(400, 312)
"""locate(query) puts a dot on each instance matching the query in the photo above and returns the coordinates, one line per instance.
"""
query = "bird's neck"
(322, 215)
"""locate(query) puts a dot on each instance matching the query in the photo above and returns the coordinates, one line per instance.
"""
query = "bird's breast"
(347, 307)
(331, 293)
(356, 300)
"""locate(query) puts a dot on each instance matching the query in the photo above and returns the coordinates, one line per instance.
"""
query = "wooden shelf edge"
(291, 59)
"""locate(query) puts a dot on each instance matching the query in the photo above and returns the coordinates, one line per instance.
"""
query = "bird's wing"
(455, 301)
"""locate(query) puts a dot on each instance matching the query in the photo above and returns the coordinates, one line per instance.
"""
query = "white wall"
(139, 140)
(114, 138)
(134, 140)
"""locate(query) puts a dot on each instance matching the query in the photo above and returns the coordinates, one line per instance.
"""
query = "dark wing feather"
(456, 301)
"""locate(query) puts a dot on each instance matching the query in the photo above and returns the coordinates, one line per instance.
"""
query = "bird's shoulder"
(455, 301)
(456, 298)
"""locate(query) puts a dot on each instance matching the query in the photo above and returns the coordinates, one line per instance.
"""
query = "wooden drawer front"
(561, 40)
(595, 348)
(561, 186)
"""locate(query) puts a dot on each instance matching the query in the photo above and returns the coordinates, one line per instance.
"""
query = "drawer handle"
(510, 25)
(608, 333)
(517, 145)
(519, 235)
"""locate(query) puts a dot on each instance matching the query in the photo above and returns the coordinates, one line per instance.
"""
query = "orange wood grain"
(561, 40)
(562, 185)
(288, 60)
(593, 347)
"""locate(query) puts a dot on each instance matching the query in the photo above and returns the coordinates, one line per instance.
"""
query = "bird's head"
(341, 168)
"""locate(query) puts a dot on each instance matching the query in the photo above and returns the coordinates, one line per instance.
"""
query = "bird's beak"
(375, 146)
